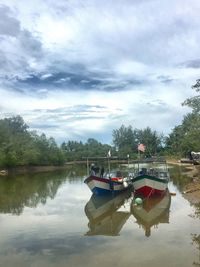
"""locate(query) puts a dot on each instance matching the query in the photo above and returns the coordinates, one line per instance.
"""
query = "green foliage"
(77, 150)
(152, 140)
(20, 147)
(185, 137)
(126, 141)
(194, 102)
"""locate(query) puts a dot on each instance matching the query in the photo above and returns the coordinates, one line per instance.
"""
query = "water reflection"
(196, 241)
(180, 180)
(196, 237)
(153, 211)
(58, 232)
(179, 176)
(104, 215)
(28, 190)
(197, 210)
(76, 173)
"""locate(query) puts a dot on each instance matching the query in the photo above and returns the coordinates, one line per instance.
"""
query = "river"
(51, 219)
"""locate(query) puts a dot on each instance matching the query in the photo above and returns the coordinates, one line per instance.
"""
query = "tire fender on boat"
(125, 184)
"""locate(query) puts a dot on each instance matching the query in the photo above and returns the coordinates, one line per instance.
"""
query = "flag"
(141, 147)
(109, 154)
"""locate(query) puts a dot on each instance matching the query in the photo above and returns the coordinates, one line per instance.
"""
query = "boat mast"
(108, 156)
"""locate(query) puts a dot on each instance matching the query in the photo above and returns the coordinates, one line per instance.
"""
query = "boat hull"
(146, 185)
(102, 186)
(152, 211)
(104, 214)
(99, 207)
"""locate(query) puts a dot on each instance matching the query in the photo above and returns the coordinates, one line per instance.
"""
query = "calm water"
(52, 220)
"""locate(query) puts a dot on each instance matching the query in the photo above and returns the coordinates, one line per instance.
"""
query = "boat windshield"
(117, 174)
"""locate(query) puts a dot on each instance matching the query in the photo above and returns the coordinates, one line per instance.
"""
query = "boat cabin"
(160, 172)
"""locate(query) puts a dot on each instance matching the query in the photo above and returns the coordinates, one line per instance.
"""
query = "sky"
(78, 69)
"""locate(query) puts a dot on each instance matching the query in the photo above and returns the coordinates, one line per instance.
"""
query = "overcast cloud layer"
(77, 69)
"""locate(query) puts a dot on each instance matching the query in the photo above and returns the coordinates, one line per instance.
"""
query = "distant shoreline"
(31, 169)
(190, 192)
(48, 168)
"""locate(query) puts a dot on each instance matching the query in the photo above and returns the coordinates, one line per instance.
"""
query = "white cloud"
(63, 115)
(130, 57)
(45, 76)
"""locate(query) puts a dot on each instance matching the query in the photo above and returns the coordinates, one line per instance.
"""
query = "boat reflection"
(105, 214)
(153, 211)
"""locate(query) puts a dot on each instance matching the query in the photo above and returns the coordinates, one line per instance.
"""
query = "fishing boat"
(112, 182)
(152, 212)
(107, 214)
(151, 178)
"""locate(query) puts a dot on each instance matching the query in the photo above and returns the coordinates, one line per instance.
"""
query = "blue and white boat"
(113, 182)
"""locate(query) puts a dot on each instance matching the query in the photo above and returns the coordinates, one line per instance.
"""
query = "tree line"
(21, 147)
(186, 136)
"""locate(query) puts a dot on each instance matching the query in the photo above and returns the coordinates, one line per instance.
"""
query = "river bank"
(191, 191)
(31, 169)
(35, 169)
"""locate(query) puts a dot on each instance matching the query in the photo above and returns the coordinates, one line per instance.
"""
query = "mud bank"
(192, 190)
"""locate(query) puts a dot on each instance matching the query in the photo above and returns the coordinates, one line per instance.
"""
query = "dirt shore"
(192, 190)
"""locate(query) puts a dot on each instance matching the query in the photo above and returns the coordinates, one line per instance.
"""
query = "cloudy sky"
(80, 68)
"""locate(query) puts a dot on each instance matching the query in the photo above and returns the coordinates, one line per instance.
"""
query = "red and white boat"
(151, 180)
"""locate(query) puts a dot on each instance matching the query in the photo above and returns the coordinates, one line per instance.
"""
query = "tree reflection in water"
(196, 240)
(197, 210)
(196, 237)
(179, 177)
(28, 190)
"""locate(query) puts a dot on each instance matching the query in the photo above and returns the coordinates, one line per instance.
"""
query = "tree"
(124, 140)
(173, 141)
(185, 137)
(18, 146)
(151, 139)
(14, 139)
(194, 102)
